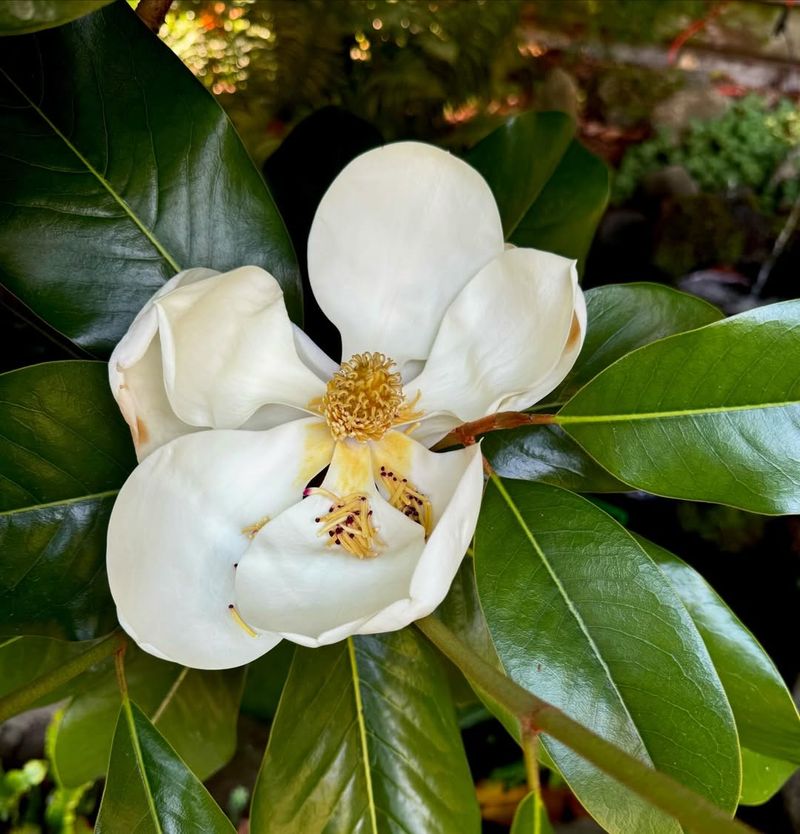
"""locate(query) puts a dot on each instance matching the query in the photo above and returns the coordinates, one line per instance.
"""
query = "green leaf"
(764, 710)
(710, 415)
(61, 435)
(762, 777)
(461, 613)
(531, 817)
(118, 170)
(375, 749)
(549, 455)
(195, 710)
(550, 190)
(582, 617)
(18, 17)
(23, 659)
(623, 317)
(149, 789)
(564, 217)
(65, 451)
(519, 157)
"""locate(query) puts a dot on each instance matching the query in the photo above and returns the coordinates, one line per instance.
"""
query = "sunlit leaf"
(149, 789)
(119, 169)
(18, 17)
(365, 740)
(711, 415)
(582, 617)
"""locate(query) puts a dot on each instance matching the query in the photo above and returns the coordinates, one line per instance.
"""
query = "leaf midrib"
(137, 752)
(572, 419)
(575, 613)
(121, 202)
(64, 502)
(362, 732)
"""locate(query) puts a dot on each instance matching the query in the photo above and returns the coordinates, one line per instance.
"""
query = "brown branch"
(465, 434)
(153, 12)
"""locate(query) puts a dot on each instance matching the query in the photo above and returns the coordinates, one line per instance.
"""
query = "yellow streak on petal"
(317, 452)
(394, 451)
(351, 468)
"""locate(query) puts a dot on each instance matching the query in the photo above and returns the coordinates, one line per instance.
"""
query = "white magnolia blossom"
(217, 547)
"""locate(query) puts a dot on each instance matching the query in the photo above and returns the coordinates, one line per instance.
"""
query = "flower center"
(364, 398)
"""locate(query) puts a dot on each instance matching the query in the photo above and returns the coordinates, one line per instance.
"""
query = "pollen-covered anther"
(404, 496)
(251, 531)
(237, 618)
(348, 524)
(364, 398)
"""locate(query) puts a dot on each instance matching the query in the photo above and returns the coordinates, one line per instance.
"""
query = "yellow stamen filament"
(348, 524)
(237, 618)
(404, 496)
(251, 531)
(364, 399)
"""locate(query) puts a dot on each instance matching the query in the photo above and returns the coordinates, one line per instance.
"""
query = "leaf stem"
(466, 433)
(530, 739)
(22, 698)
(660, 790)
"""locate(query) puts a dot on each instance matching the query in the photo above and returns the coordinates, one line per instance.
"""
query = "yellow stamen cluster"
(348, 524)
(364, 398)
(405, 497)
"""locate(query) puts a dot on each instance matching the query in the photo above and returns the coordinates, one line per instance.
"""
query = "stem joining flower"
(364, 398)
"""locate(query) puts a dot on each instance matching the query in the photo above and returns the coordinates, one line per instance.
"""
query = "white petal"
(136, 378)
(454, 483)
(229, 348)
(313, 356)
(400, 231)
(503, 339)
(571, 350)
(290, 581)
(176, 531)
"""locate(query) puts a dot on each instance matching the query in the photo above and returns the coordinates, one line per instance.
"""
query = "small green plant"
(753, 146)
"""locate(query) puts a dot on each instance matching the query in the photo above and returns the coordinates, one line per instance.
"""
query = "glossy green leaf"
(764, 709)
(531, 817)
(18, 17)
(64, 452)
(564, 217)
(549, 455)
(765, 713)
(550, 190)
(149, 789)
(61, 435)
(195, 710)
(23, 659)
(52, 578)
(623, 317)
(461, 613)
(762, 777)
(118, 170)
(710, 415)
(365, 740)
(519, 157)
(583, 618)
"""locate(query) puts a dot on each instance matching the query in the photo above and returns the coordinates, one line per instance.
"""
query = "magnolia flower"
(220, 544)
